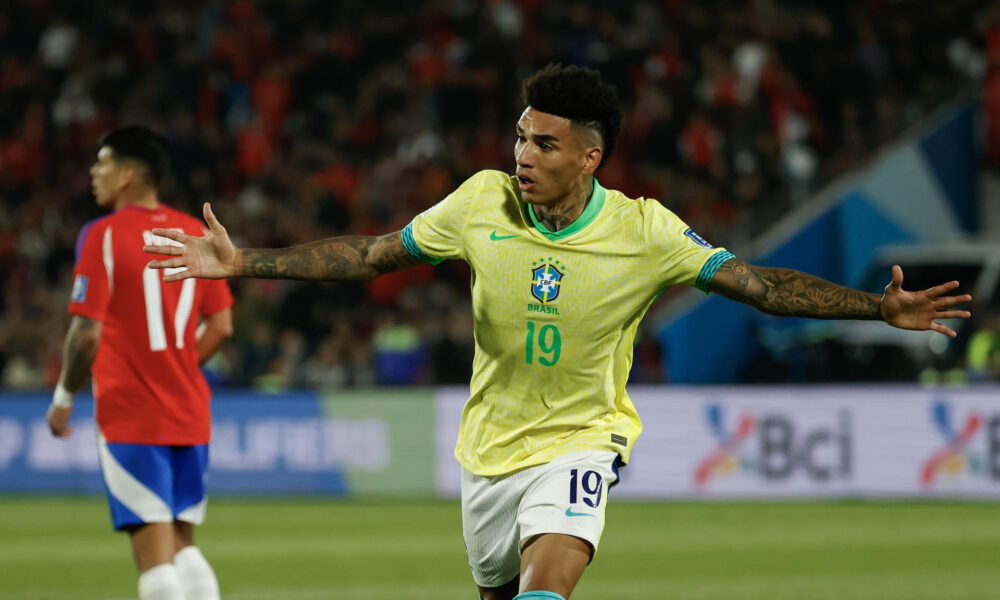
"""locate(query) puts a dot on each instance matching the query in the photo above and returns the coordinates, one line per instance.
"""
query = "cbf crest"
(546, 279)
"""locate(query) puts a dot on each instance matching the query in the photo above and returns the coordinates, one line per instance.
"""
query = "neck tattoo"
(556, 220)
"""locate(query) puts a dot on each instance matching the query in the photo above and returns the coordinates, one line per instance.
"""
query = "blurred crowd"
(302, 119)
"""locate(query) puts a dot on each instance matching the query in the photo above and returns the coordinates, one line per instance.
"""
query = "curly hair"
(580, 95)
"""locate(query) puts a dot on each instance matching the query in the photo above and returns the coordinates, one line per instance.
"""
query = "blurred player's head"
(566, 132)
(131, 162)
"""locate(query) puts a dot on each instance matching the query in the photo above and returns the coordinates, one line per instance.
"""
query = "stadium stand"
(309, 119)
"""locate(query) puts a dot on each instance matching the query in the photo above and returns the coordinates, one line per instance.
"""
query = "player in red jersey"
(139, 336)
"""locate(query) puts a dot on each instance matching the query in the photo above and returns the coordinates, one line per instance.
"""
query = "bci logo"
(773, 447)
(960, 451)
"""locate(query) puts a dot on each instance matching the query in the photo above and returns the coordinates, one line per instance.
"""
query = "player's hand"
(210, 257)
(58, 418)
(919, 310)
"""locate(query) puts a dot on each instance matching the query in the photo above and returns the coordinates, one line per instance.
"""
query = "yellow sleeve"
(437, 233)
(677, 253)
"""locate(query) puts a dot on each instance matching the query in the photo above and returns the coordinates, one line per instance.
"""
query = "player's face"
(551, 157)
(106, 178)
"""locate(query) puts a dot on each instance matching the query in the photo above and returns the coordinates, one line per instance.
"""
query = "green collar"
(586, 217)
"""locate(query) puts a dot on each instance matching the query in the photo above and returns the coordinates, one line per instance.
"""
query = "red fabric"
(144, 396)
(21, 158)
(207, 105)
(253, 151)
(993, 43)
(727, 89)
(386, 289)
(427, 68)
(341, 179)
(271, 94)
(146, 46)
(700, 143)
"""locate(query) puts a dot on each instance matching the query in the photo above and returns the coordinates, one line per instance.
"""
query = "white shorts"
(500, 514)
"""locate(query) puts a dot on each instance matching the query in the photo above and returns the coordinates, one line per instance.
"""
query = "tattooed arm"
(785, 292)
(79, 350)
(789, 293)
(333, 259)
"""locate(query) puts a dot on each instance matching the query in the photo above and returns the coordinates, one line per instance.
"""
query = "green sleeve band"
(411, 246)
(538, 595)
(708, 271)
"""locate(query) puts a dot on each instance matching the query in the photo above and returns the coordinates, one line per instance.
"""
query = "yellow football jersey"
(555, 314)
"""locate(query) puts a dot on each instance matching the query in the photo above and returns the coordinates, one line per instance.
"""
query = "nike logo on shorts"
(570, 513)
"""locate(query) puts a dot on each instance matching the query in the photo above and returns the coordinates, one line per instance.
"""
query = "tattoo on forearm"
(787, 292)
(334, 259)
(79, 351)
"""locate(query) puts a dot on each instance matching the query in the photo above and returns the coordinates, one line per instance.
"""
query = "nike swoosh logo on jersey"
(570, 513)
(497, 238)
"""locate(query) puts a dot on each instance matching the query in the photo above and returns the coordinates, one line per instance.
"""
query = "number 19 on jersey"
(548, 341)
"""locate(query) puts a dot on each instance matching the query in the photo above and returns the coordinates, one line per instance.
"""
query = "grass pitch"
(294, 549)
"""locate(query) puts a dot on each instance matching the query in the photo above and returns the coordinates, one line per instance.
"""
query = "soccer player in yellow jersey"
(562, 272)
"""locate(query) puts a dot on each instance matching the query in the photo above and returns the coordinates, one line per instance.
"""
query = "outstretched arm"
(214, 256)
(332, 259)
(78, 354)
(785, 292)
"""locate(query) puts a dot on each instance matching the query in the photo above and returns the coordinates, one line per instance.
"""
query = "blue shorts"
(153, 484)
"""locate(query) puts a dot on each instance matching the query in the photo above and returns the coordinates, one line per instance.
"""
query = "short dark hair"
(580, 95)
(144, 146)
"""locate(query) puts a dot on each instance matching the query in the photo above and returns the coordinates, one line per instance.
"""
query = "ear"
(127, 175)
(592, 159)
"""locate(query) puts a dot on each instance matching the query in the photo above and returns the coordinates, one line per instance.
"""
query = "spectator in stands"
(982, 353)
(759, 106)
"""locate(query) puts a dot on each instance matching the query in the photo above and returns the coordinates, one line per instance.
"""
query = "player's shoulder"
(95, 225)
(91, 229)
(620, 199)
(489, 180)
(484, 192)
(640, 207)
(641, 217)
(168, 217)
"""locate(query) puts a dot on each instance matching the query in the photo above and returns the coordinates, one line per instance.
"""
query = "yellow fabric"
(553, 355)
(982, 343)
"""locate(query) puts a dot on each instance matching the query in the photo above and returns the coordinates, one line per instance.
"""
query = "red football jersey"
(148, 386)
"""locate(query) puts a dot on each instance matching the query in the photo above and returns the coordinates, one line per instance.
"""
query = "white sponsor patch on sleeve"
(698, 239)
(79, 289)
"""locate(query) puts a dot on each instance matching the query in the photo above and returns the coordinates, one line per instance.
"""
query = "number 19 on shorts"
(545, 346)
(586, 487)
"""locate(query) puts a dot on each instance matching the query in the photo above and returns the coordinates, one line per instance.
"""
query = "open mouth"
(525, 183)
